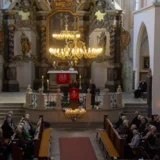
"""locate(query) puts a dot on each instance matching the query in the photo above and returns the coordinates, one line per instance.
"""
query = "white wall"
(25, 70)
(1, 72)
(148, 17)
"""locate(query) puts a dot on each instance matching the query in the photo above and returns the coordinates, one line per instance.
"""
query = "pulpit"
(60, 79)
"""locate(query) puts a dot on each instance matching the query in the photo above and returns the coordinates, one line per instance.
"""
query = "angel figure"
(25, 45)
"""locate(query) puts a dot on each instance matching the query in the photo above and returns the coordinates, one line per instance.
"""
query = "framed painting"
(145, 63)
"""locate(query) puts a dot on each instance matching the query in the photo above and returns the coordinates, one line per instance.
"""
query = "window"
(136, 4)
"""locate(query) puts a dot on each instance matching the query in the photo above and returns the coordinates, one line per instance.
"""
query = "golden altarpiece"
(27, 28)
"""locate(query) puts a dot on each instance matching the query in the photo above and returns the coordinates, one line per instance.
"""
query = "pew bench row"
(111, 140)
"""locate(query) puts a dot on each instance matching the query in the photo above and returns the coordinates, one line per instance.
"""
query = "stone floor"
(91, 133)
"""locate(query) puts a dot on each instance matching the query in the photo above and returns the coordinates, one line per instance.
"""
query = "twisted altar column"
(11, 30)
(43, 41)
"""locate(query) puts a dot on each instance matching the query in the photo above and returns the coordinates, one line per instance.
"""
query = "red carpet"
(76, 149)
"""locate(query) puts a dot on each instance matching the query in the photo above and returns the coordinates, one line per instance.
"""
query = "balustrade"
(104, 101)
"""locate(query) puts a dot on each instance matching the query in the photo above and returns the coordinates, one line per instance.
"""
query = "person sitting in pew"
(142, 125)
(25, 144)
(119, 122)
(141, 88)
(122, 125)
(28, 127)
(25, 133)
(153, 142)
(8, 128)
(135, 120)
(132, 145)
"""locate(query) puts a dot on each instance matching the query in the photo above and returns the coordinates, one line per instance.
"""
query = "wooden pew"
(44, 151)
(111, 140)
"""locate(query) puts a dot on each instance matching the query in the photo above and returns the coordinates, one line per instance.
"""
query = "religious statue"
(102, 41)
(44, 5)
(25, 44)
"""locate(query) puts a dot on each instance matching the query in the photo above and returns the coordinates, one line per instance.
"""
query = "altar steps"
(130, 108)
(17, 108)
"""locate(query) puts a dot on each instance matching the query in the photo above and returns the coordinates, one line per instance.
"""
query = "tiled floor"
(57, 133)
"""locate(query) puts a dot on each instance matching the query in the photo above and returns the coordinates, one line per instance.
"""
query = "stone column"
(42, 68)
(58, 99)
(88, 100)
(114, 66)
(11, 30)
(28, 96)
(156, 61)
(106, 102)
(40, 100)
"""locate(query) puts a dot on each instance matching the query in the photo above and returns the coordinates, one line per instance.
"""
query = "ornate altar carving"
(125, 39)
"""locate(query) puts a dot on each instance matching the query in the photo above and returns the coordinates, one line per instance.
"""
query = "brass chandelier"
(74, 49)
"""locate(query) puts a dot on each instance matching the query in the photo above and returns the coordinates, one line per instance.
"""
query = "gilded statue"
(25, 44)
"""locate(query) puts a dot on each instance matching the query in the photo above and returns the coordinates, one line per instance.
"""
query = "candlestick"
(48, 84)
(42, 82)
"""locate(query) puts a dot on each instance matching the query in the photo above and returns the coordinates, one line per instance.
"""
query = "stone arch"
(139, 57)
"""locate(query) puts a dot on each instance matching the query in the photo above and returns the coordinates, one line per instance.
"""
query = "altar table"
(53, 85)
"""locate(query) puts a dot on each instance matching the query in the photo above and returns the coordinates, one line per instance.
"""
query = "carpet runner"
(76, 149)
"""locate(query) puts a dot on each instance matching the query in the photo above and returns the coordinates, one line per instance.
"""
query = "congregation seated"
(8, 127)
(142, 133)
(141, 88)
(120, 121)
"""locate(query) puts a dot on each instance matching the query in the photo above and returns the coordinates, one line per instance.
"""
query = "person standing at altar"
(76, 85)
(92, 88)
(71, 84)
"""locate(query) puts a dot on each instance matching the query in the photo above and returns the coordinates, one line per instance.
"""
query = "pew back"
(117, 141)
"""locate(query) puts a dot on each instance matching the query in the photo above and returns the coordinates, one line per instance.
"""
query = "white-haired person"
(28, 127)
(129, 154)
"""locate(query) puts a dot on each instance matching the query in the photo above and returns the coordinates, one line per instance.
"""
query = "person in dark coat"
(142, 126)
(141, 88)
(136, 120)
(8, 128)
(119, 122)
(92, 87)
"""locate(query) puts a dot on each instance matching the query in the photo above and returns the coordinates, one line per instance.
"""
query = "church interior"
(79, 79)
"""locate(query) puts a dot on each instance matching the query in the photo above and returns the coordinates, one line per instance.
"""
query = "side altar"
(61, 79)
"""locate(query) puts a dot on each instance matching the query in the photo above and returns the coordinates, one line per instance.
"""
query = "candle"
(42, 76)
(79, 76)
(48, 84)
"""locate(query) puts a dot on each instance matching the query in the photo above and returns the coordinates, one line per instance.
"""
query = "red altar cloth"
(74, 93)
(63, 78)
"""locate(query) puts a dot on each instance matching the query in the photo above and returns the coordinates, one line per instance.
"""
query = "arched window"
(136, 5)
